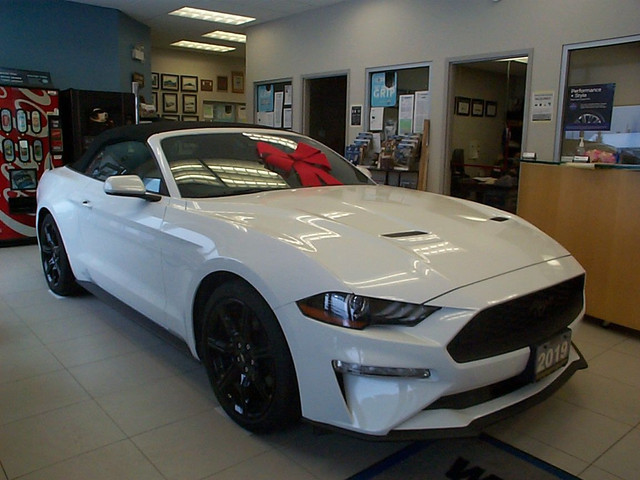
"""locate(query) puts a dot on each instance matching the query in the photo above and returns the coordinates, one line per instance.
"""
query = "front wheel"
(55, 262)
(247, 359)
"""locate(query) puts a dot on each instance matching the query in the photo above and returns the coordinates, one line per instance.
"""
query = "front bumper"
(472, 421)
(388, 406)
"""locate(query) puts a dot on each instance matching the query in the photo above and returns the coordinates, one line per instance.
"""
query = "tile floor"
(85, 392)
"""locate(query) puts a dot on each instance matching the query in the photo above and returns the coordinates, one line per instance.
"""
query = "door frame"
(306, 98)
(450, 97)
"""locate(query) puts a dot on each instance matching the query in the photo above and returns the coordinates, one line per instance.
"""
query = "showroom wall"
(359, 34)
(82, 46)
(205, 67)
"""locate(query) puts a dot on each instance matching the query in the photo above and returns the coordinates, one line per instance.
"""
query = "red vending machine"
(30, 143)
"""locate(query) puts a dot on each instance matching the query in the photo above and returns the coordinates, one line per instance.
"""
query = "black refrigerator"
(87, 113)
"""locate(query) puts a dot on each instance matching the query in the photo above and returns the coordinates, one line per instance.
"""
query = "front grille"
(518, 323)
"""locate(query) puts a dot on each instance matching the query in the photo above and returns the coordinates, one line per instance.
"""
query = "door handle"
(87, 203)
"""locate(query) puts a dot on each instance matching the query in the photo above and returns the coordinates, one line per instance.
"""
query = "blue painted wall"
(82, 46)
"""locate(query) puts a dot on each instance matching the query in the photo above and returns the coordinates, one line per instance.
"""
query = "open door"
(485, 132)
(326, 111)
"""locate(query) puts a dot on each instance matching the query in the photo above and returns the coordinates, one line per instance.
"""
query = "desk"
(499, 196)
(594, 214)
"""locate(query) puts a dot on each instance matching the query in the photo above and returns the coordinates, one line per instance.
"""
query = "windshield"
(220, 164)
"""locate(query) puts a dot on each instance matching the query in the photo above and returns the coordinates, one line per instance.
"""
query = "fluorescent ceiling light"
(230, 36)
(516, 59)
(209, 47)
(211, 16)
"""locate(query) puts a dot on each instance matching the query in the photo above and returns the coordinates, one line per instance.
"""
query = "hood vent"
(499, 219)
(413, 233)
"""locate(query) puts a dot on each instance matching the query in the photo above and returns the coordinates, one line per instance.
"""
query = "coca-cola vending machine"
(30, 143)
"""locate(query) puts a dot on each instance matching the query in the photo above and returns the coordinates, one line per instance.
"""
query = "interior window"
(127, 158)
(601, 115)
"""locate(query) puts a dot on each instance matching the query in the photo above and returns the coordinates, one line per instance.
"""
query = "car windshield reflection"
(221, 164)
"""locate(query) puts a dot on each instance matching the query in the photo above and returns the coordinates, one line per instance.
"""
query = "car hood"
(392, 242)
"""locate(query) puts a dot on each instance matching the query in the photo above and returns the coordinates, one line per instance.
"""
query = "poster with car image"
(589, 107)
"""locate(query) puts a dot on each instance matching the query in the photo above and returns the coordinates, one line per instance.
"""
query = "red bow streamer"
(308, 162)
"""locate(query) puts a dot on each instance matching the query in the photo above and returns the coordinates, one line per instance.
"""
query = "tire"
(55, 263)
(247, 359)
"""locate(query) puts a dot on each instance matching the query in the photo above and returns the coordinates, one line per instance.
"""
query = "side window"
(127, 158)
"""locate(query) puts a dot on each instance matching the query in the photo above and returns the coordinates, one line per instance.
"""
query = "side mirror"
(128, 186)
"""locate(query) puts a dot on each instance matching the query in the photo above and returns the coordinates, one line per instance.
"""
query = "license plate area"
(551, 355)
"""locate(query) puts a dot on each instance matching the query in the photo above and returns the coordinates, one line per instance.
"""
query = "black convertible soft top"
(143, 131)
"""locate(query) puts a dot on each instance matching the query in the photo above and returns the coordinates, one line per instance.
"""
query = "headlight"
(355, 311)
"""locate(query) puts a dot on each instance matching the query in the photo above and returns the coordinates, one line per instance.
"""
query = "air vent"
(500, 219)
(414, 233)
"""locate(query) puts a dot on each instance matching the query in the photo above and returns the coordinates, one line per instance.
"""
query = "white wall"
(359, 34)
(203, 66)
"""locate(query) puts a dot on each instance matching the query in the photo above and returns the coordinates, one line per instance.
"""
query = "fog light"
(357, 369)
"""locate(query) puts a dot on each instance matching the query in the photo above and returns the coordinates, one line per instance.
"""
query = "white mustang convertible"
(305, 289)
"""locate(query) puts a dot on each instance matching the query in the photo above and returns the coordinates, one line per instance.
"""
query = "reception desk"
(594, 212)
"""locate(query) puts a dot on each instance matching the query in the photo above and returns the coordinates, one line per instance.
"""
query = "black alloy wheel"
(55, 262)
(248, 361)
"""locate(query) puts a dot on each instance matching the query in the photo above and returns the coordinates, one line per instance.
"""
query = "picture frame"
(154, 100)
(463, 106)
(170, 82)
(477, 107)
(138, 78)
(190, 118)
(189, 103)
(206, 85)
(490, 108)
(169, 103)
(222, 83)
(237, 82)
(155, 80)
(173, 118)
(188, 83)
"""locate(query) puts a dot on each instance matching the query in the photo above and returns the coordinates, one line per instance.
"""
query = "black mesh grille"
(519, 323)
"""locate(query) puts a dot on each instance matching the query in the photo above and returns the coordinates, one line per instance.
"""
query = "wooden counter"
(595, 214)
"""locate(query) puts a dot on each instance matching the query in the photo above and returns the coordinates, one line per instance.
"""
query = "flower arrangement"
(601, 156)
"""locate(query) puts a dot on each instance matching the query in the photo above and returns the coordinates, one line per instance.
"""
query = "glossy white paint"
(291, 244)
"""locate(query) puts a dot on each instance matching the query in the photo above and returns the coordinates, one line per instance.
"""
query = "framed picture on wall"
(237, 82)
(463, 106)
(477, 107)
(189, 104)
(154, 100)
(188, 83)
(206, 85)
(490, 108)
(190, 118)
(222, 83)
(169, 81)
(173, 118)
(170, 103)
(155, 80)
(138, 78)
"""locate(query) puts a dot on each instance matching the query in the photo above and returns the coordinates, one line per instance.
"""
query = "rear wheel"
(55, 262)
(247, 359)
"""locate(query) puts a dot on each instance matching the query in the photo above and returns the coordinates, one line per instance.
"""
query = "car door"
(121, 234)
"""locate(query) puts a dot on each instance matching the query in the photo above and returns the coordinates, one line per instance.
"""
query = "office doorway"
(485, 135)
(326, 110)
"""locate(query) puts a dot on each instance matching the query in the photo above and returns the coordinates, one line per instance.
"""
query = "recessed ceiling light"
(211, 16)
(209, 47)
(230, 36)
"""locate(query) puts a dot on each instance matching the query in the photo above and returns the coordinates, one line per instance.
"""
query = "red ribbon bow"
(308, 162)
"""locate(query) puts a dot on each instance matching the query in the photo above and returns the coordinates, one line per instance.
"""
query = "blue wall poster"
(384, 89)
(265, 98)
(589, 107)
